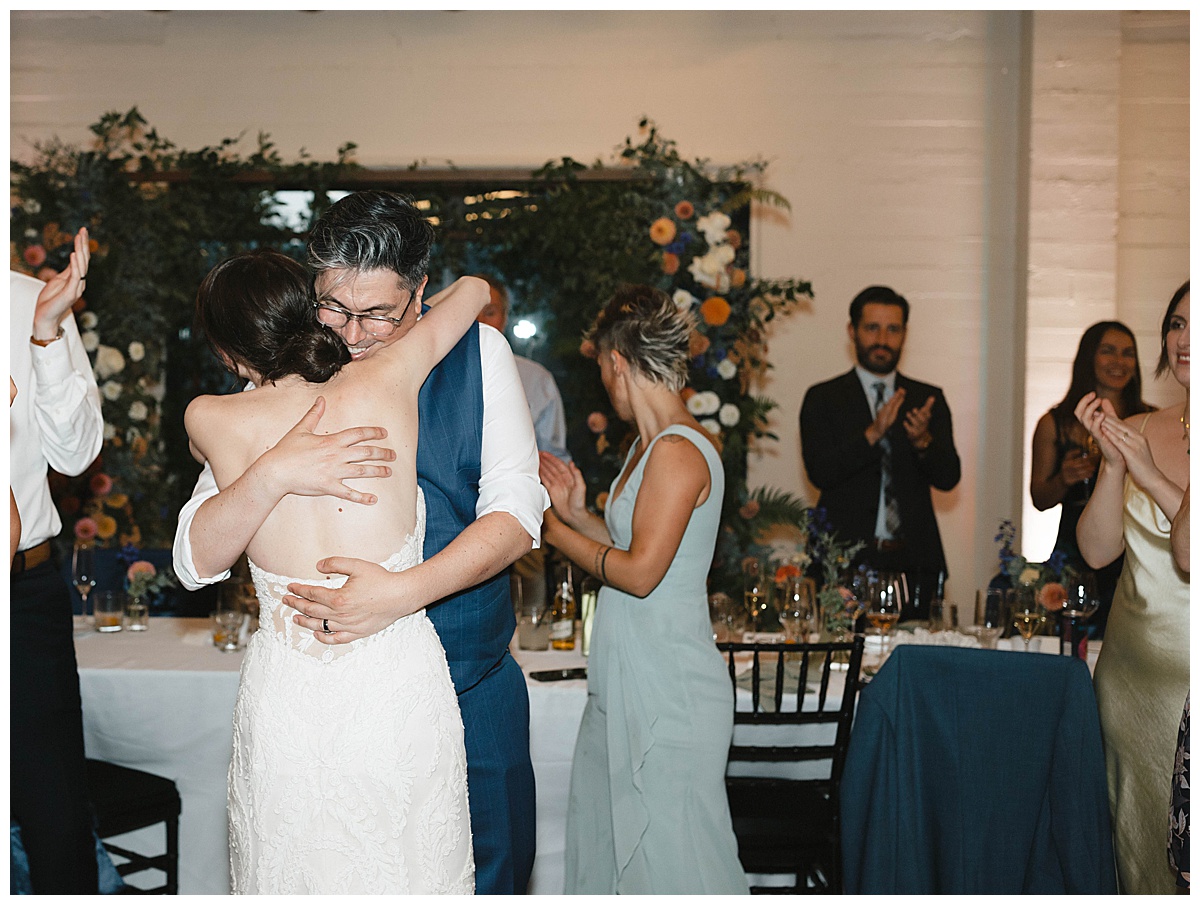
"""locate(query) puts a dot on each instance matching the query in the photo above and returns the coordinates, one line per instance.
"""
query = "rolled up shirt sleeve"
(509, 459)
(66, 403)
(181, 552)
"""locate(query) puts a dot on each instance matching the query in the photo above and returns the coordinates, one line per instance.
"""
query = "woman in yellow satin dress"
(1142, 674)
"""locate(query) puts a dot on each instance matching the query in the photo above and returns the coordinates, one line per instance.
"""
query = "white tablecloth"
(162, 701)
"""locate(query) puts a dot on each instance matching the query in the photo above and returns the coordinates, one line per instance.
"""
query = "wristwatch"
(45, 342)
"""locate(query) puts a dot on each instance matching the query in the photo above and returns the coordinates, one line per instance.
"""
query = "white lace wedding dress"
(348, 771)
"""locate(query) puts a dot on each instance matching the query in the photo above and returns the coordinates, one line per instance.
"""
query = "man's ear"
(420, 293)
(850, 330)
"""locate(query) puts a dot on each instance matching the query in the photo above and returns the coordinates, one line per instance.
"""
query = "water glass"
(108, 611)
(991, 616)
(797, 609)
(137, 614)
(533, 626)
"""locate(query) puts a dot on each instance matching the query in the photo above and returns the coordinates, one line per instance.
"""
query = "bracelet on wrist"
(45, 342)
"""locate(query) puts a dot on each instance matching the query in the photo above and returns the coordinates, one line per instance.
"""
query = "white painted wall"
(874, 123)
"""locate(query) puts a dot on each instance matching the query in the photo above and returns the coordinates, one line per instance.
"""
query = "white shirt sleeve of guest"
(509, 460)
(185, 568)
(66, 404)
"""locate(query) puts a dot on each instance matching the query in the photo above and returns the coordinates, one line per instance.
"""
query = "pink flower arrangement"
(597, 422)
(35, 256)
(86, 529)
(101, 484)
(141, 567)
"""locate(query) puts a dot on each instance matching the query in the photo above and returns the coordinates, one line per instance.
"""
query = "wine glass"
(1080, 604)
(886, 603)
(990, 619)
(797, 608)
(1028, 614)
(83, 572)
(754, 591)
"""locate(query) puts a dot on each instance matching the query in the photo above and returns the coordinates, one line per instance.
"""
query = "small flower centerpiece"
(142, 578)
(1044, 577)
(833, 558)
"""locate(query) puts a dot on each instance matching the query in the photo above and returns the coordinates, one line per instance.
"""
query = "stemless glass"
(990, 618)
(886, 604)
(1028, 614)
(83, 572)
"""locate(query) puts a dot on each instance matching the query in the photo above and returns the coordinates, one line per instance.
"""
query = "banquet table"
(162, 701)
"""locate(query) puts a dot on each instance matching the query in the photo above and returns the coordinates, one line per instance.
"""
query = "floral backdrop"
(160, 217)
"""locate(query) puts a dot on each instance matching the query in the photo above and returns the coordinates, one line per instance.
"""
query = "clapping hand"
(885, 417)
(916, 424)
(62, 290)
(565, 484)
(1094, 414)
(306, 463)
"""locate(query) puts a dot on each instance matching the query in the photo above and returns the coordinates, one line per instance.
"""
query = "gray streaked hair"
(373, 230)
(650, 332)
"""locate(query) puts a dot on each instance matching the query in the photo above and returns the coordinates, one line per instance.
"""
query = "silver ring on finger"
(325, 627)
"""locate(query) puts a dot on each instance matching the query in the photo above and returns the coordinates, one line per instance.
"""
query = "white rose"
(696, 404)
(710, 269)
(31, 234)
(727, 369)
(729, 415)
(706, 403)
(32, 206)
(111, 390)
(88, 320)
(714, 227)
(109, 431)
(136, 351)
(138, 411)
(155, 389)
(1029, 575)
(683, 299)
(711, 426)
(109, 361)
(90, 341)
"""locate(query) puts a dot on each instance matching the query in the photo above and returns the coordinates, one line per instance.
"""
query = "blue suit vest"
(475, 625)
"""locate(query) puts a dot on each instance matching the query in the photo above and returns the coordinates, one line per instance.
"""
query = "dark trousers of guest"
(47, 781)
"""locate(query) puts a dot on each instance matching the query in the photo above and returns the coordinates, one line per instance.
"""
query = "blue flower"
(128, 555)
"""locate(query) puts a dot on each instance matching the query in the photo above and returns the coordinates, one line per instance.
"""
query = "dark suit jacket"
(846, 468)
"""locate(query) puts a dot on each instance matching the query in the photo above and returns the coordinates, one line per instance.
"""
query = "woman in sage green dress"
(647, 811)
(1143, 671)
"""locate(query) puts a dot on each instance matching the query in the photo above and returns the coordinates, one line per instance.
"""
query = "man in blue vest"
(477, 464)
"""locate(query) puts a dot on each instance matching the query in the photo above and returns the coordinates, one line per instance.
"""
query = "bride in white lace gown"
(348, 772)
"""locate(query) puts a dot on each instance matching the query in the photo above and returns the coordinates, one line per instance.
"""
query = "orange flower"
(93, 246)
(698, 344)
(138, 446)
(734, 238)
(1052, 596)
(34, 255)
(687, 393)
(715, 311)
(587, 349)
(684, 210)
(786, 571)
(749, 510)
(670, 263)
(106, 526)
(116, 501)
(662, 231)
(737, 277)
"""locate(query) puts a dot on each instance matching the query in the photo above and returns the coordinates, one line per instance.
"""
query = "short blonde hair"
(650, 332)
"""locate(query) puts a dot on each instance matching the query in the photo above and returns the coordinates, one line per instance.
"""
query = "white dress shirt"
(869, 379)
(545, 407)
(508, 462)
(55, 421)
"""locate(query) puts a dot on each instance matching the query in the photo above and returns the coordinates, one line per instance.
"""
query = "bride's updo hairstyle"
(650, 332)
(256, 309)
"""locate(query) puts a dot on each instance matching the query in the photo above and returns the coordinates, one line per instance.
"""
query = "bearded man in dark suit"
(874, 442)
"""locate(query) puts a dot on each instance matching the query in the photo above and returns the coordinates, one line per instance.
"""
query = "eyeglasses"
(337, 317)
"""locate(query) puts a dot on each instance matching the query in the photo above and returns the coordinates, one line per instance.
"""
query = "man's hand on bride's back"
(367, 603)
(306, 463)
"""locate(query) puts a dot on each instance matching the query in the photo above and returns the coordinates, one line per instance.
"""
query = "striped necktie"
(891, 508)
